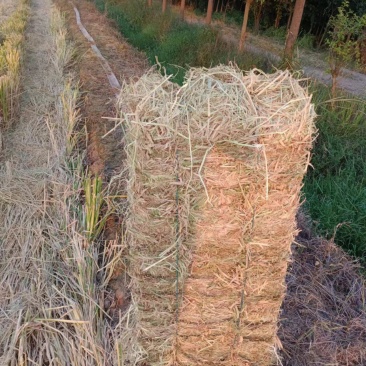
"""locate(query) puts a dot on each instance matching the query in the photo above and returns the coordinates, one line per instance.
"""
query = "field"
(68, 266)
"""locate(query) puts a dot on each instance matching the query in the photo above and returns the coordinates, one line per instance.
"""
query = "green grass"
(335, 189)
(231, 17)
(175, 43)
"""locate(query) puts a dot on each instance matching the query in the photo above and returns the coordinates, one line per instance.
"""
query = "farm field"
(76, 79)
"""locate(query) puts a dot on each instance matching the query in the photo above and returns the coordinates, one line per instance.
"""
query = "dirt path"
(351, 81)
(39, 92)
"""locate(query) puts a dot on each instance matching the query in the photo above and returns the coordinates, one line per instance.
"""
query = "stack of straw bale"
(215, 170)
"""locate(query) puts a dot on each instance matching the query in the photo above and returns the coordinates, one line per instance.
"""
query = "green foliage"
(277, 33)
(199, 12)
(234, 17)
(231, 17)
(306, 41)
(100, 4)
(344, 39)
(335, 189)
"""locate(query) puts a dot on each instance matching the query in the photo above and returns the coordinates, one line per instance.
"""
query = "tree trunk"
(278, 17)
(217, 6)
(182, 7)
(257, 17)
(164, 6)
(334, 87)
(209, 11)
(244, 27)
(149, 3)
(294, 29)
(325, 32)
(290, 17)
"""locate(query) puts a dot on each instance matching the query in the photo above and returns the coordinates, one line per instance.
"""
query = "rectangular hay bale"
(215, 170)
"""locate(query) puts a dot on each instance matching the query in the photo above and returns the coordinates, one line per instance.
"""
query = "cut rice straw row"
(50, 311)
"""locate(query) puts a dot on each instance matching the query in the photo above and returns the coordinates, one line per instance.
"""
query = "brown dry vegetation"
(323, 320)
(105, 155)
(215, 170)
(47, 290)
(7, 7)
(48, 309)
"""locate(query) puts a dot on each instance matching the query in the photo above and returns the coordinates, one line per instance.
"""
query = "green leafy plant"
(344, 40)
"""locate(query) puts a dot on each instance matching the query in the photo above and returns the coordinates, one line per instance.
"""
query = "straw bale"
(214, 175)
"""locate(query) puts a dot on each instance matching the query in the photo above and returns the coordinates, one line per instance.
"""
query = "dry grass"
(11, 36)
(323, 319)
(215, 170)
(48, 268)
(7, 7)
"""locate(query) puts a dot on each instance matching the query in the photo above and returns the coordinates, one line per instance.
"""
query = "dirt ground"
(323, 319)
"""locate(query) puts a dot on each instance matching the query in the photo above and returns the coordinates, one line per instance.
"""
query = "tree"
(282, 6)
(245, 24)
(149, 2)
(164, 6)
(278, 15)
(344, 40)
(291, 13)
(294, 29)
(209, 11)
(182, 8)
(257, 11)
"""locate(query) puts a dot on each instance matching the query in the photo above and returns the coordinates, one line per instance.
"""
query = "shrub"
(306, 41)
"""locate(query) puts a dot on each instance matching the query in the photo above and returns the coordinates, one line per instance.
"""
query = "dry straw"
(48, 295)
(215, 170)
(11, 47)
(323, 318)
